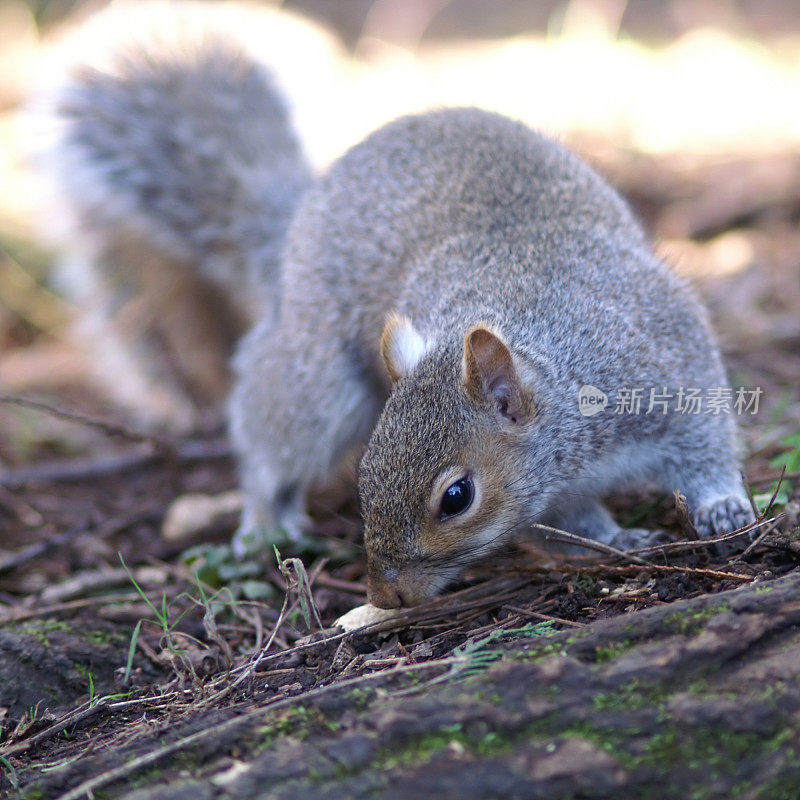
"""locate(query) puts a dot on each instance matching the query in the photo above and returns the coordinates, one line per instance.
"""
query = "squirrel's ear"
(401, 346)
(491, 376)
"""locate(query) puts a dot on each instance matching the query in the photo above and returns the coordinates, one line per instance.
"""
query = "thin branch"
(602, 569)
(41, 547)
(557, 535)
(86, 712)
(253, 664)
(544, 617)
(81, 469)
(47, 545)
(775, 491)
(750, 498)
(116, 430)
(757, 541)
(679, 547)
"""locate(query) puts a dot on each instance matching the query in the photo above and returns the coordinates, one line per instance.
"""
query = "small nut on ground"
(364, 615)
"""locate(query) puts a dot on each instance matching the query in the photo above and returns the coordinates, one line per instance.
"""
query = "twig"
(757, 541)
(21, 510)
(381, 663)
(749, 491)
(488, 596)
(275, 672)
(116, 430)
(70, 720)
(50, 543)
(83, 583)
(20, 615)
(81, 714)
(41, 547)
(81, 469)
(557, 535)
(254, 663)
(73, 718)
(699, 571)
(775, 491)
(678, 547)
(544, 617)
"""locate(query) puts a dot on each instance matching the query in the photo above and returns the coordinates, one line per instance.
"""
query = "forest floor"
(138, 660)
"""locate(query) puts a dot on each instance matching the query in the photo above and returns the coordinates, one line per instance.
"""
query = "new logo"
(591, 400)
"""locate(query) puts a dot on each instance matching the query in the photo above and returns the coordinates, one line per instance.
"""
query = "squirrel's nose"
(383, 586)
(384, 594)
(392, 588)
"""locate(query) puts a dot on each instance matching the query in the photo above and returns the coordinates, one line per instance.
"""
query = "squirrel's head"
(440, 480)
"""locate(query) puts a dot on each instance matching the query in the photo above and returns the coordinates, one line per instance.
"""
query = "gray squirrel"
(450, 285)
(447, 290)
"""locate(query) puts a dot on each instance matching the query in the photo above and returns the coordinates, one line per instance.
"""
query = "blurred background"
(692, 107)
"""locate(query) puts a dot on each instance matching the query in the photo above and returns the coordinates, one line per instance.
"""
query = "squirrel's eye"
(457, 497)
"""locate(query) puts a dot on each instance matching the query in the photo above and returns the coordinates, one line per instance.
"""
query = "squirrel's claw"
(723, 515)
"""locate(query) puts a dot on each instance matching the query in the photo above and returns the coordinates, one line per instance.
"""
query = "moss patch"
(691, 621)
(452, 737)
(295, 722)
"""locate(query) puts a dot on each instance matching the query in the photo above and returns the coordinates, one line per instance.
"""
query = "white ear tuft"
(402, 347)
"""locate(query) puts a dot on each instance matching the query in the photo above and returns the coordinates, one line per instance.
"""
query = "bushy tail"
(192, 148)
(176, 172)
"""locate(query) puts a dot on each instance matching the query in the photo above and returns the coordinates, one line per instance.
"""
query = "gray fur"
(194, 147)
(179, 166)
(454, 218)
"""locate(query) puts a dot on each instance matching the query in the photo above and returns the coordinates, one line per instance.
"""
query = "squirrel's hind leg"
(299, 403)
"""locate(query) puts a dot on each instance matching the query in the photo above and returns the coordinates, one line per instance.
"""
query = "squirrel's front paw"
(723, 515)
(259, 530)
